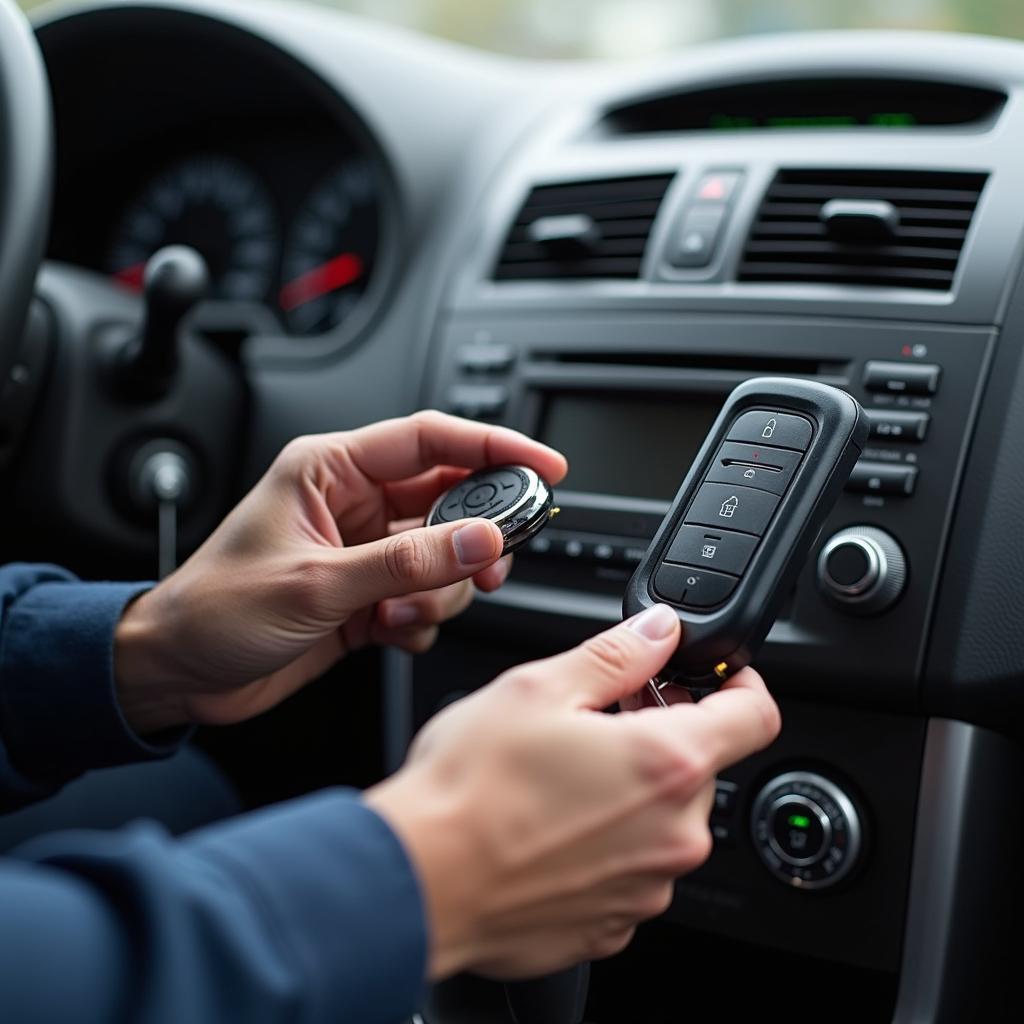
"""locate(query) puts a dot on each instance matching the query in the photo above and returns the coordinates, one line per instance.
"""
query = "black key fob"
(515, 498)
(746, 516)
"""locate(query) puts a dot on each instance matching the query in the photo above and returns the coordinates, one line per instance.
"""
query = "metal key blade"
(652, 685)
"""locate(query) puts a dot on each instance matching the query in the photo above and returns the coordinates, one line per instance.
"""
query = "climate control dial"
(806, 830)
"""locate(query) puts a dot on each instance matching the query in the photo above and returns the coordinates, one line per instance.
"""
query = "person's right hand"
(543, 831)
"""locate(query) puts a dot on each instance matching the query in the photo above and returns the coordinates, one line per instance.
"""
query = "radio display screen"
(636, 446)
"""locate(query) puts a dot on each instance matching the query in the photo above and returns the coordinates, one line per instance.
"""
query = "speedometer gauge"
(214, 204)
(330, 250)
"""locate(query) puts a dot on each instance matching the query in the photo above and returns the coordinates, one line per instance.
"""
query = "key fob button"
(754, 465)
(779, 429)
(481, 496)
(710, 589)
(704, 548)
(695, 588)
(732, 507)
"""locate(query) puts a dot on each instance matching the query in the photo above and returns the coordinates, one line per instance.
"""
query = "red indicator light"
(713, 188)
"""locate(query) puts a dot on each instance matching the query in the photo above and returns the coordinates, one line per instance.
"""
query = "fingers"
(726, 726)
(614, 664)
(494, 575)
(400, 448)
(413, 561)
(412, 497)
(429, 609)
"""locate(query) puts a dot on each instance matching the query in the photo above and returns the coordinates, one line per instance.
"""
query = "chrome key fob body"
(515, 498)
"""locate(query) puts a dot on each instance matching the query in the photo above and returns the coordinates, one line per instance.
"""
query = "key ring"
(656, 684)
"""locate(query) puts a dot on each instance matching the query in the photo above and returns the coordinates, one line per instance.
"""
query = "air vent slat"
(951, 237)
(620, 212)
(640, 209)
(790, 242)
(889, 277)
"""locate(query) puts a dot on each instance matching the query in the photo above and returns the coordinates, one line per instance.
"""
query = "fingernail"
(474, 543)
(402, 613)
(655, 623)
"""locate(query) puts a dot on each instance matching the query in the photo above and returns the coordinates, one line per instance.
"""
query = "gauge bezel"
(249, 37)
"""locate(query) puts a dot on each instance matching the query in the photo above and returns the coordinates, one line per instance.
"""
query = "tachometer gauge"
(214, 204)
(329, 253)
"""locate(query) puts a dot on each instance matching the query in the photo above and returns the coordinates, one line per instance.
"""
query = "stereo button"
(732, 508)
(882, 478)
(897, 426)
(772, 428)
(697, 235)
(721, 550)
(902, 378)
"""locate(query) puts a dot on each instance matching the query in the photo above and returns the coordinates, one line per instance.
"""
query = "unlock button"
(778, 429)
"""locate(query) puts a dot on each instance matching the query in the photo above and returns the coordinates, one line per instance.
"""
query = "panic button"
(767, 427)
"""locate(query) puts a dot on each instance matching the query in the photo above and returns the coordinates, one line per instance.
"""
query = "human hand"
(323, 556)
(543, 831)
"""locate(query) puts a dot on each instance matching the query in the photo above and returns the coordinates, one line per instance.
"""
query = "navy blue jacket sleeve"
(59, 714)
(304, 913)
(307, 912)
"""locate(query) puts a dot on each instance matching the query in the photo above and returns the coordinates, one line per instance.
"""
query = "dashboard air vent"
(585, 229)
(896, 229)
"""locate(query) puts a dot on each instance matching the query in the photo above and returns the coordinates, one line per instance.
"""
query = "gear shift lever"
(175, 279)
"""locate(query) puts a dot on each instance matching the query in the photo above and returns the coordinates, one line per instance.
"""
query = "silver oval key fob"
(514, 498)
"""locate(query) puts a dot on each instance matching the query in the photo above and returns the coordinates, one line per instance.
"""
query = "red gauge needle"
(131, 277)
(329, 276)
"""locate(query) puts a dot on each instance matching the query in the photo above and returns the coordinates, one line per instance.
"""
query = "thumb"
(616, 663)
(416, 560)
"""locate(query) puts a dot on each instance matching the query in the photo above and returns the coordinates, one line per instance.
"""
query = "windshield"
(637, 28)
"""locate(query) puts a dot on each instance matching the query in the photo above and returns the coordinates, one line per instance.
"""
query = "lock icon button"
(769, 428)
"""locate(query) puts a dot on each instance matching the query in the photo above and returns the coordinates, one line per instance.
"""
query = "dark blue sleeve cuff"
(59, 714)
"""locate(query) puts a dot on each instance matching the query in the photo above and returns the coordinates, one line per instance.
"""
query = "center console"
(620, 278)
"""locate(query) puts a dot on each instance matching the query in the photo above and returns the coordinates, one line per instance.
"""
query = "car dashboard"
(596, 255)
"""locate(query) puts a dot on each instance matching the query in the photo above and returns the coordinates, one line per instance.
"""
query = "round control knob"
(862, 569)
(806, 830)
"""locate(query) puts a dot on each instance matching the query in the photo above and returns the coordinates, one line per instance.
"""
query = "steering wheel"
(25, 175)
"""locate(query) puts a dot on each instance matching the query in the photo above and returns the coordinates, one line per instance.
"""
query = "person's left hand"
(323, 556)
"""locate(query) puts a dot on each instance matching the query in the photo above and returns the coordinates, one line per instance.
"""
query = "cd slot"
(747, 364)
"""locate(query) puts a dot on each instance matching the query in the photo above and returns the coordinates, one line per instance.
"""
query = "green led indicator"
(799, 821)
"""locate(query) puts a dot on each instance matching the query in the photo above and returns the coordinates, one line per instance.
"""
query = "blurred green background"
(637, 28)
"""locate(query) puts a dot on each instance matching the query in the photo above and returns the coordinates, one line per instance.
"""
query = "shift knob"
(175, 279)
